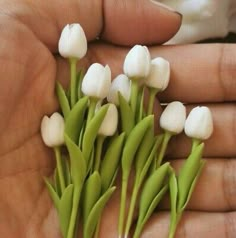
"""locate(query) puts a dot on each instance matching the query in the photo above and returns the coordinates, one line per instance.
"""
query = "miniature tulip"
(120, 84)
(137, 62)
(73, 43)
(97, 81)
(110, 122)
(173, 117)
(159, 75)
(199, 123)
(52, 130)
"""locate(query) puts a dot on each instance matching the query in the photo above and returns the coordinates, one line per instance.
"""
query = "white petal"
(159, 75)
(173, 117)
(110, 122)
(45, 130)
(199, 123)
(120, 84)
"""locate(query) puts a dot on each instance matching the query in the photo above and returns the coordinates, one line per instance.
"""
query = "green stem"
(195, 143)
(160, 157)
(97, 162)
(74, 213)
(97, 228)
(122, 206)
(173, 225)
(152, 95)
(132, 205)
(134, 95)
(60, 168)
(73, 89)
(91, 109)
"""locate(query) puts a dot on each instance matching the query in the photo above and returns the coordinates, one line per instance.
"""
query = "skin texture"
(29, 67)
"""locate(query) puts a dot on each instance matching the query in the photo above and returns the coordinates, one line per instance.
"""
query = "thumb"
(129, 22)
(122, 22)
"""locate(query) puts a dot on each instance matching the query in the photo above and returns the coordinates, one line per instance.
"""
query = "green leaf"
(57, 182)
(91, 193)
(127, 115)
(95, 214)
(91, 131)
(77, 162)
(75, 119)
(79, 79)
(111, 160)
(133, 142)
(144, 149)
(187, 174)
(142, 220)
(55, 198)
(63, 100)
(150, 158)
(66, 171)
(65, 208)
(151, 188)
(202, 163)
(173, 186)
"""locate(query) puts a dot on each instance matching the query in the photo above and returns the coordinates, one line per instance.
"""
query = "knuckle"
(229, 183)
(227, 71)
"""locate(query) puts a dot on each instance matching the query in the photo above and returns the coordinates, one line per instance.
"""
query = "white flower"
(173, 117)
(199, 123)
(52, 130)
(137, 62)
(159, 75)
(72, 43)
(110, 122)
(120, 84)
(97, 81)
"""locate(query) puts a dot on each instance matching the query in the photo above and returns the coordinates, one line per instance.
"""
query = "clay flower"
(72, 43)
(52, 130)
(120, 84)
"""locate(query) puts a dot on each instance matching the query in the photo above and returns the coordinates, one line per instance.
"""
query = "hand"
(29, 68)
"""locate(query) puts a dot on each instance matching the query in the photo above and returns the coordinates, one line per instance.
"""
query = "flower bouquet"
(105, 128)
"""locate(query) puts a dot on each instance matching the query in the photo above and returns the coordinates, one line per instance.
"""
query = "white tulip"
(199, 123)
(120, 84)
(110, 122)
(52, 130)
(159, 75)
(97, 81)
(137, 62)
(173, 117)
(73, 43)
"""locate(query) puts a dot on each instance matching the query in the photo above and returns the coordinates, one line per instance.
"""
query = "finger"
(192, 225)
(139, 22)
(199, 73)
(222, 141)
(215, 190)
(122, 22)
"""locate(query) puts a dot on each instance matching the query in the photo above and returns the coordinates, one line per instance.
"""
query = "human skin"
(29, 68)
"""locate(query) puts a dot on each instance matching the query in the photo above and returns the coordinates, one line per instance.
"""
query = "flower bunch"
(105, 128)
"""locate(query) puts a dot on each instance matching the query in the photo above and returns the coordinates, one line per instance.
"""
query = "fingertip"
(139, 22)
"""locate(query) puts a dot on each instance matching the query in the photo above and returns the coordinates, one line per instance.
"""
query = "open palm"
(28, 71)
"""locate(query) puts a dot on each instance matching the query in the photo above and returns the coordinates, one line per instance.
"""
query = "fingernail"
(165, 6)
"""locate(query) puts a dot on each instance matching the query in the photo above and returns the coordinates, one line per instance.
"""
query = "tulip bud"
(137, 62)
(110, 122)
(97, 81)
(173, 117)
(52, 130)
(199, 123)
(73, 43)
(159, 75)
(120, 84)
